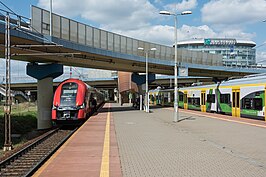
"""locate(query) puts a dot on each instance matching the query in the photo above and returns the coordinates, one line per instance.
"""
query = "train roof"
(249, 79)
(90, 88)
(199, 87)
(246, 80)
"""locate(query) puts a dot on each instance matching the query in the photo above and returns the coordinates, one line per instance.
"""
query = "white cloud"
(114, 14)
(157, 34)
(165, 34)
(261, 57)
(232, 12)
(184, 5)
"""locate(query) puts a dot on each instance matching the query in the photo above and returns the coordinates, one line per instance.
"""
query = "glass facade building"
(235, 52)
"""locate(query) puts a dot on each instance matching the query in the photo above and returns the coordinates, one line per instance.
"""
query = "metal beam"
(8, 103)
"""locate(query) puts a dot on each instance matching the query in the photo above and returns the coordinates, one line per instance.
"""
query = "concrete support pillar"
(169, 97)
(45, 74)
(140, 102)
(116, 95)
(44, 103)
(120, 98)
(111, 95)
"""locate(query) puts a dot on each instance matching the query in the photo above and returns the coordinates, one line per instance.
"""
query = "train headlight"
(81, 106)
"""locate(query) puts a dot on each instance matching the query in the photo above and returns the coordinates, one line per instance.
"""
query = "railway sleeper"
(18, 168)
(24, 163)
(33, 155)
(8, 174)
(40, 151)
(29, 157)
(36, 153)
(14, 169)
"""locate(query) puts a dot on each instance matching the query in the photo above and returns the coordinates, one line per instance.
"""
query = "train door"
(185, 100)
(264, 104)
(203, 101)
(236, 102)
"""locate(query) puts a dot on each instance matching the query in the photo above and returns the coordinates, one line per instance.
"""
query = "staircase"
(18, 95)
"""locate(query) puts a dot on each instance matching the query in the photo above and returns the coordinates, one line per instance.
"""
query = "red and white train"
(74, 101)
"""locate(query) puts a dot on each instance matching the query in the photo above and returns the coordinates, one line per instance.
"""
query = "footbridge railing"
(70, 30)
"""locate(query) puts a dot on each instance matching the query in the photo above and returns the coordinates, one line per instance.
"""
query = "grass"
(23, 121)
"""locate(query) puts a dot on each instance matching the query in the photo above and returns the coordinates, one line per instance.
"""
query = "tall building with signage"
(234, 51)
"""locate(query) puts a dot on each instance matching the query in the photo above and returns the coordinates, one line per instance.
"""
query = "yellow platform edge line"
(106, 149)
(262, 126)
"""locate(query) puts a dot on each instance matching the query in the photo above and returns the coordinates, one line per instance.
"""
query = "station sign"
(229, 42)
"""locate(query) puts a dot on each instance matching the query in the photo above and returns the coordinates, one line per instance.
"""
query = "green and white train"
(243, 97)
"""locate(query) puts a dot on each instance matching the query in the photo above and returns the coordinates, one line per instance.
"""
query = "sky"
(140, 19)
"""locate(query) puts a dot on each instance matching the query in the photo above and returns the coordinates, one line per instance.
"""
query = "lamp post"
(176, 114)
(51, 21)
(147, 79)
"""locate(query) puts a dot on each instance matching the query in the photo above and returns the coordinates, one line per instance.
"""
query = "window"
(257, 103)
(194, 101)
(185, 98)
(189, 100)
(234, 99)
(68, 94)
(225, 98)
(203, 101)
(210, 98)
(237, 99)
(252, 103)
(181, 97)
(246, 103)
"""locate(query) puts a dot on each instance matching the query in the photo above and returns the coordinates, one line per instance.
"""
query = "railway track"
(28, 160)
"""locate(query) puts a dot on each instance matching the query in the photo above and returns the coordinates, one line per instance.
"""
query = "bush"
(20, 124)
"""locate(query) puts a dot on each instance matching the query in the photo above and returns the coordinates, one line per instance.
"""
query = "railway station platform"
(151, 144)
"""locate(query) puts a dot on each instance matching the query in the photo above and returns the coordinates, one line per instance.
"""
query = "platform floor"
(151, 144)
(84, 154)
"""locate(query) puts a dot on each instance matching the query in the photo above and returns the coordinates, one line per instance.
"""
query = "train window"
(190, 100)
(196, 101)
(68, 94)
(203, 101)
(234, 99)
(185, 98)
(152, 98)
(172, 96)
(181, 97)
(210, 98)
(237, 99)
(225, 98)
(165, 99)
(247, 103)
(202, 98)
(252, 103)
(257, 103)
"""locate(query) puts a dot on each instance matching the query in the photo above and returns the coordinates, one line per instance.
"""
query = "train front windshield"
(68, 94)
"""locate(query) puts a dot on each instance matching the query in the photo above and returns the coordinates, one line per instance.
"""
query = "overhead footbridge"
(77, 44)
